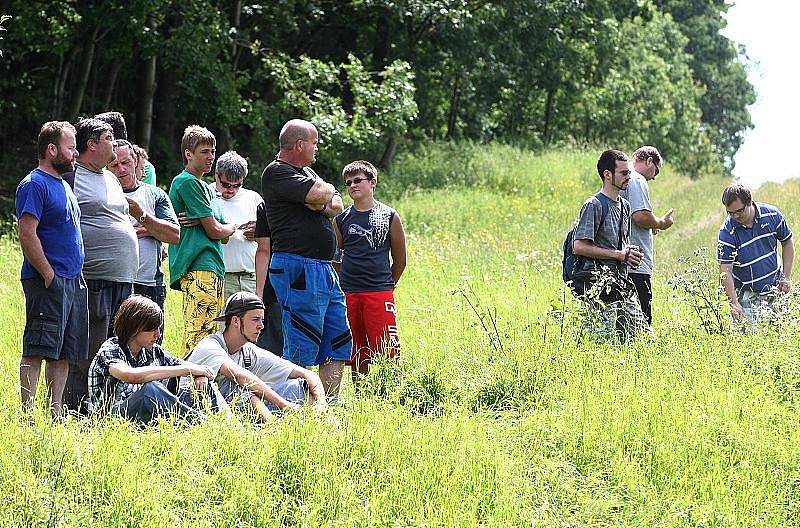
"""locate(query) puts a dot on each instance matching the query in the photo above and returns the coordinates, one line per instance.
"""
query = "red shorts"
(373, 323)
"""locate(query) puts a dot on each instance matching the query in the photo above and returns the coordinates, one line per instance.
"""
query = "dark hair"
(51, 132)
(89, 128)
(117, 122)
(136, 314)
(608, 161)
(648, 151)
(364, 167)
(734, 191)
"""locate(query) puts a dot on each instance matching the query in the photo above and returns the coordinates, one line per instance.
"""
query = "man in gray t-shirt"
(604, 245)
(247, 375)
(112, 251)
(647, 163)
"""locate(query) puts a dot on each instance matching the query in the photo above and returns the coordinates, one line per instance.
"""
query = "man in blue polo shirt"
(747, 250)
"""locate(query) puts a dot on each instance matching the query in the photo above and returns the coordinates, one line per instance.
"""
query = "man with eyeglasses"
(110, 243)
(647, 163)
(602, 243)
(747, 251)
(300, 206)
(239, 206)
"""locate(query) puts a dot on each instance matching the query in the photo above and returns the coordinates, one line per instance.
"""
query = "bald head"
(294, 130)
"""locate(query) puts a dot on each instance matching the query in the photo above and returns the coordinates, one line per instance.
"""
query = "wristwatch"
(142, 218)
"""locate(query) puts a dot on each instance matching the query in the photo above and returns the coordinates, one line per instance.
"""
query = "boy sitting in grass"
(367, 232)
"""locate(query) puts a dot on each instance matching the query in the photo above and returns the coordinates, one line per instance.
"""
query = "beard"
(62, 164)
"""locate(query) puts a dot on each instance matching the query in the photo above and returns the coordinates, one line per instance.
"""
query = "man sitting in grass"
(747, 250)
(129, 375)
(250, 376)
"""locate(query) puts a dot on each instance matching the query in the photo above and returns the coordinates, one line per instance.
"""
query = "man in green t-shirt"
(196, 264)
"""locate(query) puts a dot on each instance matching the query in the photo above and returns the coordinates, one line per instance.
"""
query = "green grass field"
(494, 415)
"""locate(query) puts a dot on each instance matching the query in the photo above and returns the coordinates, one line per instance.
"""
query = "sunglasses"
(355, 181)
(227, 185)
(658, 169)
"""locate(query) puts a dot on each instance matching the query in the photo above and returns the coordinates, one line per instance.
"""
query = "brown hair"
(136, 314)
(734, 191)
(608, 161)
(51, 133)
(193, 136)
(364, 167)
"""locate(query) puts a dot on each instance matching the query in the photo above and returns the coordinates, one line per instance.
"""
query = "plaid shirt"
(104, 389)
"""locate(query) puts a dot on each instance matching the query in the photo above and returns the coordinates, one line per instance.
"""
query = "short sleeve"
(589, 221)
(262, 224)
(30, 199)
(290, 186)
(269, 367)
(196, 197)
(163, 206)
(782, 231)
(726, 247)
(208, 354)
(639, 195)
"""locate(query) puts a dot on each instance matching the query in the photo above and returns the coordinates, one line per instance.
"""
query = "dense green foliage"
(495, 416)
(378, 75)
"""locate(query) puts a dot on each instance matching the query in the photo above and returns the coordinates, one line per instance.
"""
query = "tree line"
(378, 75)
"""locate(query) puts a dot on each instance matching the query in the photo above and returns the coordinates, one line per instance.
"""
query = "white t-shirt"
(240, 253)
(212, 351)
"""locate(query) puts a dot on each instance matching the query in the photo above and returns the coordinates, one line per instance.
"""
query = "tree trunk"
(144, 123)
(548, 113)
(388, 154)
(453, 113)
(112, 82)
(83, 77)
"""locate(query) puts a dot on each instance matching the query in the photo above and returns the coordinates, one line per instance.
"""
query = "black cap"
(239, 303)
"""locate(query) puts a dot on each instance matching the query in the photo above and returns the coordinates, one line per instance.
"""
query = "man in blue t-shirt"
(747, 250)
(56, 312)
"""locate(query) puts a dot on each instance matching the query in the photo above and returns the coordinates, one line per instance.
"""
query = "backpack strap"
(603, 199)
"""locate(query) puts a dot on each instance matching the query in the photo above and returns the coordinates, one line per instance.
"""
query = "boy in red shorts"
(368, 232)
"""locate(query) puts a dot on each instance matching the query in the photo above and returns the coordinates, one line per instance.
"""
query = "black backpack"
(572, 263)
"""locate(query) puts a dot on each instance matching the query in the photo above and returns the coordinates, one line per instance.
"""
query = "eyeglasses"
(227, 185)
(625, 172)
(658, 169)
(355, 181)
(738, 211)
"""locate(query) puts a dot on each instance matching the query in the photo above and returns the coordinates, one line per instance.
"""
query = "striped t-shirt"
(753, 251)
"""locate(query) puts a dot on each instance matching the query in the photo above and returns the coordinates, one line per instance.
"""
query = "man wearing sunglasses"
(239, 206)
(647, 163)
(747, 250)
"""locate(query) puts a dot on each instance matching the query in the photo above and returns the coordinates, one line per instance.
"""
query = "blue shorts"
(314, 318)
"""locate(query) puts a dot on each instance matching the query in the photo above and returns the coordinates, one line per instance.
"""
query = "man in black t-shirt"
(299, 207)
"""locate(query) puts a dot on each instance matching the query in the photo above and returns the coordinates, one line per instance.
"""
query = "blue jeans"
(154, 400)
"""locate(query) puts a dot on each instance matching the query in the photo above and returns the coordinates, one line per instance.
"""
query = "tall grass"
(495, 415)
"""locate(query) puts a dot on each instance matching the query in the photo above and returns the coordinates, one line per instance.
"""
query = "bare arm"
(247, 380)
(787, 256)
(627, 254)
(315, 386)
(215, 229)
(139, 375)
(32, 248)
(319, 194)
(334, 207)
(647, 220)
(162, 230)
(726, 277)
(340, 244)
(262, 265)
(398, 248)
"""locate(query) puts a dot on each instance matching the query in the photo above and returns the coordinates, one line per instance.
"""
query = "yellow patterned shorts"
(202, 302)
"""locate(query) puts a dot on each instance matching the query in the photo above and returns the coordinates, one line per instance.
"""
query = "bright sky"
(769, 29)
